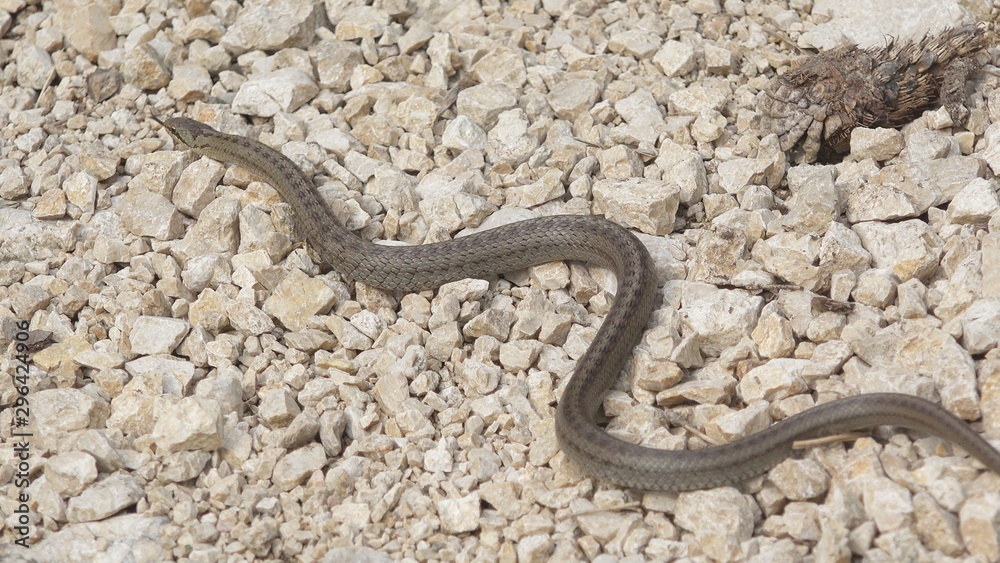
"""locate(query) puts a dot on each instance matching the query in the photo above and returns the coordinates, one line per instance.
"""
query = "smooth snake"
(600, 242)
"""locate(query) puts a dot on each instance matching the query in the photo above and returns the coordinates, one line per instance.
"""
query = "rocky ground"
(201, 388)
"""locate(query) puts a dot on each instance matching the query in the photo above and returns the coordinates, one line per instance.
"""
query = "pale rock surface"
(193, 423)
(720, 518)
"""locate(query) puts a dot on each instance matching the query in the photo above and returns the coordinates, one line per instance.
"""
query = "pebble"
(105, 498)
(720, 519)
(975, 203)
(879, 144)
(157, 335)
(298, 465)
(459, 515)
(271, 25)
(193, 423)
(87, 27)
(70, 473)
(269, 93)
(675, 58)
(297, 298)
(145, 213)
(909, 249)
(641, 204)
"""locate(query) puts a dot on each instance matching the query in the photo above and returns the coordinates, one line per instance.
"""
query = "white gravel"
(209, 393)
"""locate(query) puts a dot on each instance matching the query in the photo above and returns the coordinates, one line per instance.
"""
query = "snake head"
(188, 131)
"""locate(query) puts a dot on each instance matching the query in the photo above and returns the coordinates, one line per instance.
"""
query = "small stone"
(184, 466)
(195, 188)
(269, 93)
(978, 523)
(975, 203)
(491, 322)
(208, 27)
(175, 374)
(144, 68)
(52, 205)
(636, 43)
(643, 121)
(87, 28)
(778, 379)
(67, 410)
(878, 144)
(702, 392)
(937, 528)
(331, 431)
(81, 191)
(149, 214)
(157, 335)
(718, 60)
(675, 58)
(27, 299)
(347, 334)
(247, 318)
(59, 358)
(34, 67)
(639, 203)
(225, 389)
(463, 133)
(719, 317)
(546, 188)
(695, 99)
(510, 140)
(774, 337)
(216, 233)
(272, 25)
(981, 326)
(415, 38)
(278, 408)
(13, 183)
(71, 472)
(297, 298)
(298, 465)
(190, 83)
(570, 98)
(620, 163)
(103, 83)
(719, 518)
(335, 63)
(96, 443)
(888, 503)
(520, 354)
(392, 391)
(909, 249)
(911, 299)
(738, 424)
(875, 288)
(459, 515)
(800, 479)
(105, 498)
(193, 423)
(815, 200)
(362, 22)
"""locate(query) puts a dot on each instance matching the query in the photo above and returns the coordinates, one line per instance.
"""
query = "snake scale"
(597, 241)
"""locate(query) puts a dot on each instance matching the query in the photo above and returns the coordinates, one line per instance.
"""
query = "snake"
(597, 241)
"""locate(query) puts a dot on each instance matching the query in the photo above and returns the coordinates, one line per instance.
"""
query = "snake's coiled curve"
(598, 241)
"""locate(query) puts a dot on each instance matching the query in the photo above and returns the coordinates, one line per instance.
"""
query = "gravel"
(205, 390)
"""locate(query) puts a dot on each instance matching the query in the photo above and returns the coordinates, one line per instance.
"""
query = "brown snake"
(601, 242)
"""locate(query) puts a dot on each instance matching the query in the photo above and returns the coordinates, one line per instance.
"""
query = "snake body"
(601, 242)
